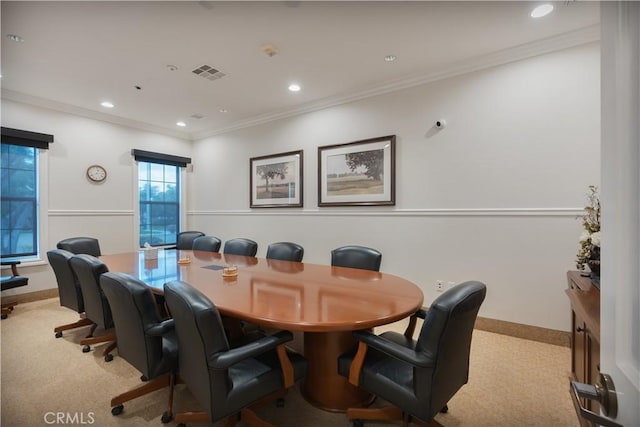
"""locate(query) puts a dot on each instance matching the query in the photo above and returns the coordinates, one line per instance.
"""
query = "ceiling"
(74, 55)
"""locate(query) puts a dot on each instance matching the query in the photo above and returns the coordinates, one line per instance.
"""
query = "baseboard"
(528, 332)
(31, 296)
(518, 330)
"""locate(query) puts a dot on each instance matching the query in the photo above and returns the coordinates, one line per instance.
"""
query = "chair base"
(166, 380)
(7, 308)
(82, 322)
(110, 337)
(246, 415)
(387, 413)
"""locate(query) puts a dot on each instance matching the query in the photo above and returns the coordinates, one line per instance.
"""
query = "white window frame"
(136, 203)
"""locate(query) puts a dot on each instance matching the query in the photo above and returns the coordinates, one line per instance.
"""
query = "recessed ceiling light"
(542, 10)
(294, 87)
(223, 110)
(15, 38)
(181, 124)
(107, 104)
(390, 58)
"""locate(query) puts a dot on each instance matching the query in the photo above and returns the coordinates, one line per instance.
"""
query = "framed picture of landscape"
(275, 181)
(360, 173)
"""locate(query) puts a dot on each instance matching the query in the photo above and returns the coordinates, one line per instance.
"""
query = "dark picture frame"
(359, 173)
(275, 181)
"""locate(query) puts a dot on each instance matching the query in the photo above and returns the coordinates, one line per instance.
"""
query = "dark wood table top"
(281, 294)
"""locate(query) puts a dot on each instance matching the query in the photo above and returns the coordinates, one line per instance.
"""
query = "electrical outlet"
(439, 286)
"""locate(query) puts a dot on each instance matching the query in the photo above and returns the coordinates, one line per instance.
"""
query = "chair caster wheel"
(3, 316)
(280, 403)
(143, 378)
(108, 357)
(58, 334)
(86, 349)
(444, 409)
(117, 410)
(166, 417)
(358, 423)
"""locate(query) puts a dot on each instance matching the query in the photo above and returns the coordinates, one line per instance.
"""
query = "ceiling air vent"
(197, 116)
(208, 72)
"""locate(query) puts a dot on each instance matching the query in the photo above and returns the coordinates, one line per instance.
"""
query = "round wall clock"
(96, 173)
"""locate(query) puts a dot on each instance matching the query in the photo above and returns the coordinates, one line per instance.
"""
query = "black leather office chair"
(186, 238)
(144, 340)
(417, 377)
(285, 251)
(88, 270)
(206, 243)
(244, 247)
(11, 282)
(80, 245)
(226, 381)
(69, 290)
(356, 257)
(238, 249)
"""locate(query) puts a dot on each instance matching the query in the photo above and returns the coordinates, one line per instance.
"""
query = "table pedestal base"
(323, 387)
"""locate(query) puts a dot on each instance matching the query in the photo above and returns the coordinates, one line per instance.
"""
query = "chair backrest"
(356, 257)
(80, 245)
(185, 239)
(200, 333)
(134, 311)
(69, 290)
(245, 247)
(446, 333)
(88, 270)
(286, 251)
(206, 243)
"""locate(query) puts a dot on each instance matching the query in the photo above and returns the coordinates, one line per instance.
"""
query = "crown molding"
(528, 50)
(91, 114)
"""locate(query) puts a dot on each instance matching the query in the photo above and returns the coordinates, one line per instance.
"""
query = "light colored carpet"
(512, 382)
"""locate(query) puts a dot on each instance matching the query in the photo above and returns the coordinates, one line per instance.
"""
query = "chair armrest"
(421, 313)
(394, 350)
(161, 328)
(413, 319)
(225, 359)
(14, 269)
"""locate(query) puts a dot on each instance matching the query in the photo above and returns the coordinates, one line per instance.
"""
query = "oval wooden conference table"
(324, 302)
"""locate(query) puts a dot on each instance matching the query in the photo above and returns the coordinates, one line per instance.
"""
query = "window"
(159, 194)
(19, 201)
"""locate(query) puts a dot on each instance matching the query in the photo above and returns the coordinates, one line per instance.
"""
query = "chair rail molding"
(90, 212)
(562, 212)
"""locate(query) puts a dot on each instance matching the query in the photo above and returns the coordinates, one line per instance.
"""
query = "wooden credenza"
(585, 332)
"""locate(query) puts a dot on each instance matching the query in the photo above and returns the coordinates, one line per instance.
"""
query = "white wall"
(77, 207)
(492, 197)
